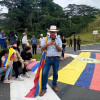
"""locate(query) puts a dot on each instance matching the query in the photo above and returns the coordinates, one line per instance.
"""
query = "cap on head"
(41, 35)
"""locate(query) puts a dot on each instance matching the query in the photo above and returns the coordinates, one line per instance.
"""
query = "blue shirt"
(51, 50)
(33, 40)
(2, 38)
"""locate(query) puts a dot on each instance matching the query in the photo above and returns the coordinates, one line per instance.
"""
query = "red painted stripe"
(33, 90)
(95, 84)
(32, 64)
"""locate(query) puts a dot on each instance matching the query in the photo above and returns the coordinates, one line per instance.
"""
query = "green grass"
(87, 36)
(37, 57)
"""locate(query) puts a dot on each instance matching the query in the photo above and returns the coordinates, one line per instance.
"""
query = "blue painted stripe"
(35, 67)
(37, 90)
(86, 76)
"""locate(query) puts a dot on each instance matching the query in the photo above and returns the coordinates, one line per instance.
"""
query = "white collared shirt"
(51, 50)
(24, 39)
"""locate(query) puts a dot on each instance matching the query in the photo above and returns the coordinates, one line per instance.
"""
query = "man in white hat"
(53, 47)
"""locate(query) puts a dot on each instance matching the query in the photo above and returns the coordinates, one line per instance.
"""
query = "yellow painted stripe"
(70, 73)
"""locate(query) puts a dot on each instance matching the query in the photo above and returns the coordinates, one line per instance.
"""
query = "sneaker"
(6, 81)
(27, 75)
(20, 78)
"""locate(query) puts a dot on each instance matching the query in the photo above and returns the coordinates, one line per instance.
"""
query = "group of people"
(77, 42)
(54, 46)
(18, 61)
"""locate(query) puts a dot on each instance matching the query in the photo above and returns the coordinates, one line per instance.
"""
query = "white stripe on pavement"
(91, 50)
(72, 55)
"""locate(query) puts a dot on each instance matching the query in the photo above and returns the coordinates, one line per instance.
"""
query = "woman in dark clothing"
(63, 46)
(12, 38)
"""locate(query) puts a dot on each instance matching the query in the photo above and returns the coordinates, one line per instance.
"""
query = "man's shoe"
(55, 88)
(42, 92)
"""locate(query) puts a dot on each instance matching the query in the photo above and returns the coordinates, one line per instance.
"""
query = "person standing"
(78, 43)
(2, 39)
(34, 44)
(53, 47)
(41, 40)
(63, 46)
(74, 43)
(12, 38)
(24, 39)
(70, 42)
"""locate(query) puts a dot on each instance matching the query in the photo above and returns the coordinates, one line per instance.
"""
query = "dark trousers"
(63, 51)
(23, 46)
(74, 47)
(18, 49)
(70, 45)
(16, 66)
(34, 47)
(78, 46)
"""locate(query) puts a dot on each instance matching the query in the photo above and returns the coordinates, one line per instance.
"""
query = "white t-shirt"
(24, 39)
(41, 41)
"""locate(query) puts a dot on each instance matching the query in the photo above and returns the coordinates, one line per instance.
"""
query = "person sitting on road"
(8, 69)
(19, 62)
(27, 56)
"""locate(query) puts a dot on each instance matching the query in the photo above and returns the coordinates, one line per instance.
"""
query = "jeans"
(55, 64)
(63, 51)
(8, 71)
(2, 46)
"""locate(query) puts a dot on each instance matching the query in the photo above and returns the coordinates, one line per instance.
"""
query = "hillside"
(87, 34)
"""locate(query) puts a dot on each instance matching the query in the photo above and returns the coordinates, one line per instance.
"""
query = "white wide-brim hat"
(53, 28)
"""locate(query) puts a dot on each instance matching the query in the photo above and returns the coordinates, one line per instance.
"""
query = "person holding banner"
(8, 69)
(53, 47)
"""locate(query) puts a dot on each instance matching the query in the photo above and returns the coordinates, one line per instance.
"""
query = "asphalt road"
(66, 92)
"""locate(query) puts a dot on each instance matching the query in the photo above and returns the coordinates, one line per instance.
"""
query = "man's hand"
(54, 43)
(50, 43)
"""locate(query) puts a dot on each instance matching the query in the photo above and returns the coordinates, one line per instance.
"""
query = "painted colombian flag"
(9, 56)
(38, 78)
(83, 71)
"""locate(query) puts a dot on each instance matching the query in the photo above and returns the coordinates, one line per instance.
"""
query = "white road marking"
(19, 89)
(91, 50)
(72, 55)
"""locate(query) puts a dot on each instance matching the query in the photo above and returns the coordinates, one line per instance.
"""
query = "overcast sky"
(64, 3)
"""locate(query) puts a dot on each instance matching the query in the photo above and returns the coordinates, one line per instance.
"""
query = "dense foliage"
(38, 15)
